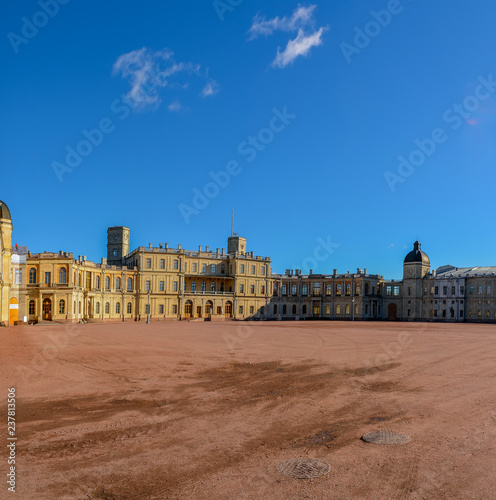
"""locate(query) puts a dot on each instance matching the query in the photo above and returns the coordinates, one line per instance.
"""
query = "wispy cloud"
(175, 106)
(300, 18)
(301, 21)
(149, 72)
(211, 88)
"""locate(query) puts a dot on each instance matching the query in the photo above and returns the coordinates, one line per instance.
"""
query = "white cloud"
(148, 72)
(175, 106)
(211, 88)
(301, 21)
(300, 46)
(301, 17)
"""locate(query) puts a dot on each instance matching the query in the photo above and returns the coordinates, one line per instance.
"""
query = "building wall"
(5, 268)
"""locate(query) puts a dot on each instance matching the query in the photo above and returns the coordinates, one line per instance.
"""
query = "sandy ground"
(209, 410)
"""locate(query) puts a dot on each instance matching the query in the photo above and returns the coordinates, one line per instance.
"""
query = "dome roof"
(416, 255)
(4, 211)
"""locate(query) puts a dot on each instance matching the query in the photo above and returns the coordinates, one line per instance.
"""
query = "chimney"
(223, 251)
(179, 247)
(166, 246)
(161, 245)
(200, 248)
(104, 261)
(311, 271)
(150, 245)
(217, 251)
(207, 249)
(365, 271)
(334, 272)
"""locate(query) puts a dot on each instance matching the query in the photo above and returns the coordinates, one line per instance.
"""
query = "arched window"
(304, 309)
(32, 306)
(284, 309)
(130, 284)
(129, 308)
(97, 308)
(32, 276)
(347, 309)
(62, 307)
(63, 275)
(118, 308)
(275, 308)
(118, 283)
(294, 308)
(97, 282)
(348, 288)
(338, 309)
(107, 283)
(107, 307)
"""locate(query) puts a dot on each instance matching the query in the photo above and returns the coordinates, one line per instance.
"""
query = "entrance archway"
(228, 310)
(392, 312)
(47, 310)
(188, 309)
(14, 311)
(209, 308)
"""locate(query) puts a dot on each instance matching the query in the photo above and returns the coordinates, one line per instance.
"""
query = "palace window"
(240, 309)
(284, 289)
(480, 289)
(304, 290)
(204, 286)
(194, 267)
(348, 288)
(107, 307)
(32, 276)
(339, 288)
(161, 309)
(18, 276)
(263, 270)
(242, 269)
(488, 289)
(107, 283)
(213, 268)
(396, 291)
(284, 309)
(241, 288)
(148, 263)
(294, 308)
(328, 289)
(31, 307)
(252, 309)
(118, 308)
(445, 290)
(304, 309)
(174, 286)
(176, 264)
(48, 278)
(117, 283)
(129, 284)
(262, 290)
(193, 286)
(453, 290)
(347, 310)
(97, 307)
(204, 268)
(275, 308)
(252, 289)
(212, 286)
(62, 307)
(129, 307)
(162, 263)
(162, 286)
(148, 285)
(252, 269)
(294, 289)
(174, 309)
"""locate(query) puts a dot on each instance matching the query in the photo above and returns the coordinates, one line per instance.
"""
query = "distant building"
(163, 283)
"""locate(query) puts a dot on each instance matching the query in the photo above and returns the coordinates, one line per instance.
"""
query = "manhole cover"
(304, 468)
(386, 437)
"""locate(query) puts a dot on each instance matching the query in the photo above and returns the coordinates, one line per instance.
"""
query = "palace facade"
(163, 283)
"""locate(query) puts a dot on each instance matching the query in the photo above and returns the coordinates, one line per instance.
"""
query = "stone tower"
(117, 244)
(236, 244)
(415, 266)
(5, 261)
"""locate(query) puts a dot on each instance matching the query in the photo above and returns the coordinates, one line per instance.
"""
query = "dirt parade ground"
(198, 410)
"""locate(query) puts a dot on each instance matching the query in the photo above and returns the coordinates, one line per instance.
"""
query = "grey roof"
(465, 272)
(4, 211)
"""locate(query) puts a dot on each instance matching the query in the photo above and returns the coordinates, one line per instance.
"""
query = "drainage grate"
(304, 468)
(386, 437)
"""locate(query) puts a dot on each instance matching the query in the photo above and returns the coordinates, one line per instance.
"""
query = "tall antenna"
(232, 224)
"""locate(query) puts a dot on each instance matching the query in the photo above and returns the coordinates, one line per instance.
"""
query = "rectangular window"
(18, 277)
(488, 290)
(240, 309)
(262, 290)
(263, 270)
(162, 263)
(174, 286)
(284, 289)
(148, 286)
(48, 278)
(252, 289)
(252, 269)
(462, 290)
(461, 313)
(174, 309)
(396, 291)
(212, 286)
(147, 309)
(304, 290)
(445, 290)
(293, 289)
(471, 289)
(148, 263)
(409, 291)
(194, 267)
(453, 290)
(162, 286)
(241, 288)
(213, 268)
(204, 268)
(389, 290)
(176, 264)
(242, 269)
(193, 286)
(161, 309)
(436, 290)
(204, 286)
(252, 309)
(338, 309)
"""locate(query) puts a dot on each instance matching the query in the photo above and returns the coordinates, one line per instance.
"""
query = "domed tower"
(415, 266)
(5, 261)
(416, 263)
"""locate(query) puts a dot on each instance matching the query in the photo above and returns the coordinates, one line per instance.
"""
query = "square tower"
(236, 244)
(117, 244)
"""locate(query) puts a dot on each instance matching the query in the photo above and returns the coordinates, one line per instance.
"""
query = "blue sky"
(362, 125)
